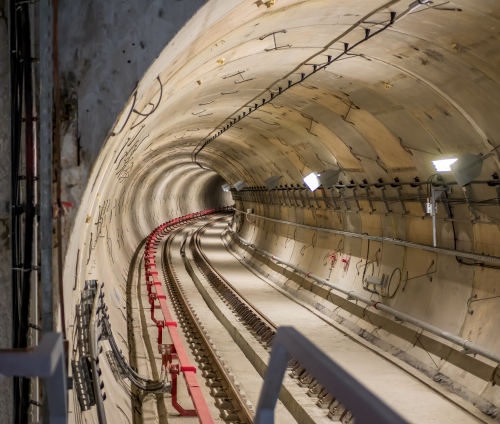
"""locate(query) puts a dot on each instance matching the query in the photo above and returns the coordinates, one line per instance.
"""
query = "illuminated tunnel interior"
(372, 90)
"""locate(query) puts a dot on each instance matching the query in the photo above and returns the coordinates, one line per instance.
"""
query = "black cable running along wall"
(23, 157)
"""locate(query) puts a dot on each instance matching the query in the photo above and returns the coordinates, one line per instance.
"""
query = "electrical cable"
(390, 296)
(22, 207)
(428, 184)
(132, 375)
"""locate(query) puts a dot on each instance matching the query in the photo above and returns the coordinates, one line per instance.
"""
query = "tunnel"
(310, 142)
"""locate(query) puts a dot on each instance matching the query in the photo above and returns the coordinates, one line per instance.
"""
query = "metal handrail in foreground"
(47, 361)
(288, 343)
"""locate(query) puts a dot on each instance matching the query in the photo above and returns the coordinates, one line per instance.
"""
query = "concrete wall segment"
(6, 395)
(105, 48)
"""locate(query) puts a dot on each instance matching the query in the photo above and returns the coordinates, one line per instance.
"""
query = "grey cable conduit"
(398, 242)
(94, 356)
(151, 385)
(469, 347)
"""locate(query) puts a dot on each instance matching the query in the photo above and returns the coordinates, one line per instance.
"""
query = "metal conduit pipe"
(469, 347)
(452, 252)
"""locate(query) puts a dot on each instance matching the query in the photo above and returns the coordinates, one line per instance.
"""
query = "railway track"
(233, 405)
(223, 297)
(263, 329)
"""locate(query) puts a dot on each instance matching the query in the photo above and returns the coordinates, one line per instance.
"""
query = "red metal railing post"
(174, 372)
(160, 325)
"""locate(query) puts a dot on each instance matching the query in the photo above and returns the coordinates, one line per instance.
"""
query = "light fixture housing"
(272, 182)
(467, 168)
(443, 165)
(226, 187)
(329, 177)
(312, 181)
(240, 185)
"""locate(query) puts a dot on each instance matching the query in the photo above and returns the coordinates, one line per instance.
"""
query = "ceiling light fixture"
(312, 181)
(272, 182)
(468, 167)
(240, 185)
(226, 187)
(329, 177)
(443, 165)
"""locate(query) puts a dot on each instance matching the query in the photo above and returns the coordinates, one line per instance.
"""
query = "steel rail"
(216, 362)
(261, 327)
(206, 267)
(257, 322)
(468, 346)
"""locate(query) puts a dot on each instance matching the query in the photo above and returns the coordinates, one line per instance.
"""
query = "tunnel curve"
(425, 88)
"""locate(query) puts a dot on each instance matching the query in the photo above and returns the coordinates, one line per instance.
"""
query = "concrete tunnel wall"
(426, 88)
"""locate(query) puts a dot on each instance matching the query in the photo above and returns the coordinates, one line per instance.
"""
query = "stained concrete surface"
(105, 48)
(5, 271)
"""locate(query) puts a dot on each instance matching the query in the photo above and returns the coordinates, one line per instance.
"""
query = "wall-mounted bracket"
(421, 198)
(276, 47)
(468, 197)
(336, 207)
(386, 202)
(495, 378)
(341, 192)
(436, 192)
(401, 200)
(367, 189)
(356, 200)
(316, 200)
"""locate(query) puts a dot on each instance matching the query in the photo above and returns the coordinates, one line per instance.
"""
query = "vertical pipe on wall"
(45, 177)
(46, 102)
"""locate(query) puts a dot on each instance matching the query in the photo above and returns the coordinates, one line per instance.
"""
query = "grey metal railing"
(288, 343)
(383, 239)
(46, 361)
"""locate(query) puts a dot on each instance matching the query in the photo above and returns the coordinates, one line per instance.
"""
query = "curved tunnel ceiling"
(335, 83)
(422, 89)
